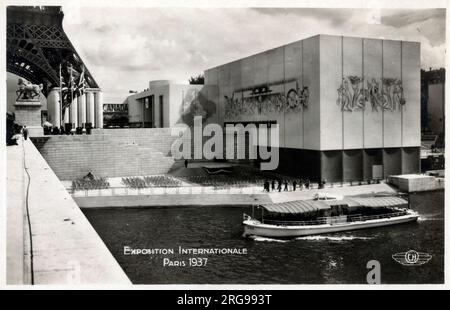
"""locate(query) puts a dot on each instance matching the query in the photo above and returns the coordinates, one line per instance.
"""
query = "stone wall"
(29, 116)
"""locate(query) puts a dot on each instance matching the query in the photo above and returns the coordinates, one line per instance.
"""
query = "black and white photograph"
(240, 144)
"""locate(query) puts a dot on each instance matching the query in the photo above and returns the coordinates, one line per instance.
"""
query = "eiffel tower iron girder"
(37, 45)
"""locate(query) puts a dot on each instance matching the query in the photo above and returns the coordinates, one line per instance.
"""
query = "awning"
(346, 201)
(380, 202)
(296, 207)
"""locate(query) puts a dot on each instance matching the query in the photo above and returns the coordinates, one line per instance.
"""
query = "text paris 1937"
(190, 262)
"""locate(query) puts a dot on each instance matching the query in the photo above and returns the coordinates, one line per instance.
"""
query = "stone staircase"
(157, 138)
(428, 139)
(109, 153)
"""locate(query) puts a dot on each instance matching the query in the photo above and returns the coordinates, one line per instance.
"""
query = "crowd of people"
(283, 185)
(151, 181)
(162, 181)
(68, 130)
(90, 184)
(223, 181)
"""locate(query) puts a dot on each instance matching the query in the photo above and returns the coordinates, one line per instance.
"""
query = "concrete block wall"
(349, 64)
(110, 153)
(329, 65)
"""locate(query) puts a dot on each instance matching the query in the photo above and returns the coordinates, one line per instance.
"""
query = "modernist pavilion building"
(347, 108)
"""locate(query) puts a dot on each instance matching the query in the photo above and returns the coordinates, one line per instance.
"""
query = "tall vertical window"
(161, 115)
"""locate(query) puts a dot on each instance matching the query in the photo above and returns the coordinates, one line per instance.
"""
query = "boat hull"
(255, 228)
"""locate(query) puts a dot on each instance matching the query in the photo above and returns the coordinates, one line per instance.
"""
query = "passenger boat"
(327, 215)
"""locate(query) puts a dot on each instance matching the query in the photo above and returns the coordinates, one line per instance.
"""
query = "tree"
(197, 80)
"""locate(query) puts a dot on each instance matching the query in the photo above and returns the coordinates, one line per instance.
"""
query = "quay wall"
(417, 183)
(171, 200)
(66, 249)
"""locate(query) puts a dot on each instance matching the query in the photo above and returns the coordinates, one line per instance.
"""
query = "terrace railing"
(195, 184)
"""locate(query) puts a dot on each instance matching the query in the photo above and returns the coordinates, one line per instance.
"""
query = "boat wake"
(258, 238)
(430, 217)
(311, 238)
(332, 238)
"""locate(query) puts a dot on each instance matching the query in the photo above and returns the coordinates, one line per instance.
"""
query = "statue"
(27, 90)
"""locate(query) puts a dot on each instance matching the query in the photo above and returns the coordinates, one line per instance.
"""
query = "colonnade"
(87, 108)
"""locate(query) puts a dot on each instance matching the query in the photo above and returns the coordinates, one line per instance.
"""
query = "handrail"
(191, 189)
(295, 223)
(330, 219)
(379, 216)
(70, 188)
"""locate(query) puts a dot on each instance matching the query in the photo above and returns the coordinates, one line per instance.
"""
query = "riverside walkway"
(64, 248)
(196, 195)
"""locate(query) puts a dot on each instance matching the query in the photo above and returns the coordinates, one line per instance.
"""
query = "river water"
(334, 258)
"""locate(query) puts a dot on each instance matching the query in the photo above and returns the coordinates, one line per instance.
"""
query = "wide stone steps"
(109, 155)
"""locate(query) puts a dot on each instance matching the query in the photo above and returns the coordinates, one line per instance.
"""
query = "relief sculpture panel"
(268, 98)
(355, 94)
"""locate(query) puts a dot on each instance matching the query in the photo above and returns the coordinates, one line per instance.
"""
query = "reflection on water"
(333, 258)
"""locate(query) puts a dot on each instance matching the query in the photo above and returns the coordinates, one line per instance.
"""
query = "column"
(54, 108)
(90, 108)
(74, 113)
(81, 111)
(98, 99)
(66, 116)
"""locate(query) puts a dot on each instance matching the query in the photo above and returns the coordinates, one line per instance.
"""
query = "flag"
(61, 102)
(73, 84)
(80, 87)
(66, 87)
(64, 93)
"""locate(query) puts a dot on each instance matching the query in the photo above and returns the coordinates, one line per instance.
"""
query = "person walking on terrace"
(25, 132)
(266, 186)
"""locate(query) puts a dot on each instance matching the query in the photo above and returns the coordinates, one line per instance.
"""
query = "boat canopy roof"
(305, 206)
(378, 202)
(296, 207)
(370, 202)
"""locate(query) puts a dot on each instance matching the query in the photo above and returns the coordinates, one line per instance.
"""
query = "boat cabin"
(318, 211)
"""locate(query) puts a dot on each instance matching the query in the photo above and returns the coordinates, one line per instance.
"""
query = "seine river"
(333, 258)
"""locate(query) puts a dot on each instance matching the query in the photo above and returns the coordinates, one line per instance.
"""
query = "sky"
(125, 47)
